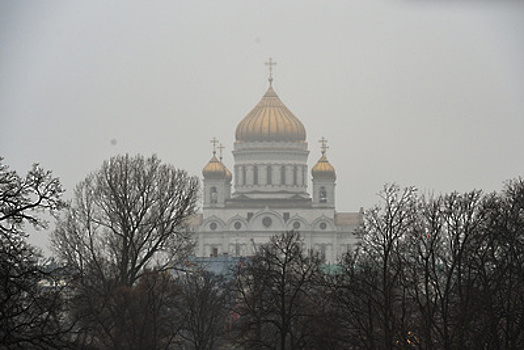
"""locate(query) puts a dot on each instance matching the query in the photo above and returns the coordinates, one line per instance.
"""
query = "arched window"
(295, 175)
(244, 175)
(283, 175)
(213, 195)
(269, 170)
(255, 175)
(322, 195)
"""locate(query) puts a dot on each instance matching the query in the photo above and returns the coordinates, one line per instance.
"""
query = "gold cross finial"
(324, 146)
(220, 148)
(214, 141)
(271, 63)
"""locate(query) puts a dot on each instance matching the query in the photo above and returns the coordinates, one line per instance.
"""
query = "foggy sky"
(423, 93)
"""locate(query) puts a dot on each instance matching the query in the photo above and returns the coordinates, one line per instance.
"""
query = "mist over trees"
(430, 271)
(125, 219)
(438, 272)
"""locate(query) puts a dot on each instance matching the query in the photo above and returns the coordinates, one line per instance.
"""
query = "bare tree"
(150, 309)
(501, 269)
(440, 272)
(202, 310)
(278, 296)
(383, 236)
(125, 218)
(30, 315)
(357, 300)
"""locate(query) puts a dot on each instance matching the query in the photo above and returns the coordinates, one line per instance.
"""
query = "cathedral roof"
(270, 120)
(323, 169)
(348, 219)
(216, 170)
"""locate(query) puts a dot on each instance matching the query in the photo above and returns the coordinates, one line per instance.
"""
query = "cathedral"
(267, 194)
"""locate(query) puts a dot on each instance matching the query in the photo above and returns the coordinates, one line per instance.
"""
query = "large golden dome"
(270, 120)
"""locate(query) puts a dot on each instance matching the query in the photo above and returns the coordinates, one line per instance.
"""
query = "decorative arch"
(330, 224)
(259, 222)
(304, 225)
(237, 218)
(322, 195)
(206, 224)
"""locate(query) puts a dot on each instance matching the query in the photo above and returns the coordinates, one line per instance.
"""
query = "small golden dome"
(216, 170)
(270, 120)
(323, 169)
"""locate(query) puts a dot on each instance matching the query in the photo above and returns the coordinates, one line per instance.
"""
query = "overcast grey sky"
(424, 93)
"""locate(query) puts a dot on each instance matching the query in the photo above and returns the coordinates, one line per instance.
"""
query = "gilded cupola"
(323, 169)
(270, 120)
(215, 169)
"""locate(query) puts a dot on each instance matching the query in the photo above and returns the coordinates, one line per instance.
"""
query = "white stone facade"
(238, 232)
(270, 178)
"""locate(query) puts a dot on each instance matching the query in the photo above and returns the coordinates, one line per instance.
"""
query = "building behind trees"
(267, 191)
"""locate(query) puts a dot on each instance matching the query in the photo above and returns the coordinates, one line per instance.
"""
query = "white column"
(289, 175)
(249, 175)
(262, 174)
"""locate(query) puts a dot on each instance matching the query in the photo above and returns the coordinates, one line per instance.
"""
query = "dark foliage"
(443, 272)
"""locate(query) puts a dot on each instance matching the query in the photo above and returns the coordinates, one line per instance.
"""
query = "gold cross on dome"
(270, 63)
(324, 146)
(214, 141)
(220, 148)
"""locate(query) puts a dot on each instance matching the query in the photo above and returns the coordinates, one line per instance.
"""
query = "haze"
(423, 93)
